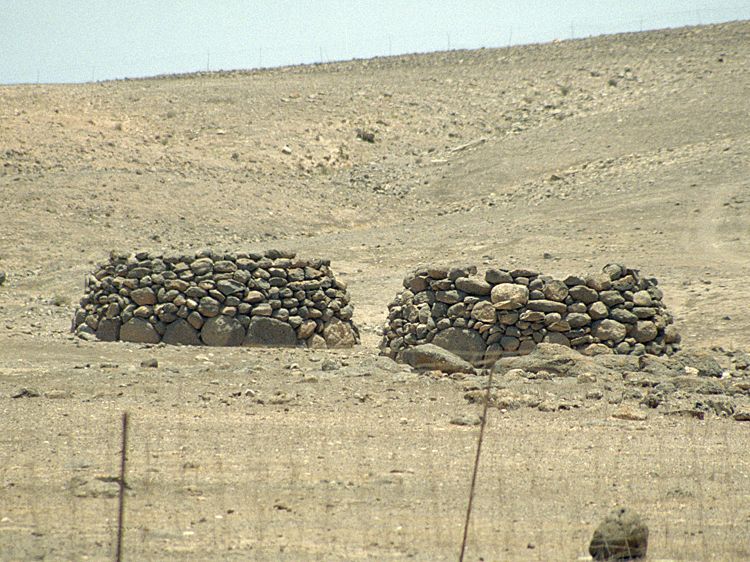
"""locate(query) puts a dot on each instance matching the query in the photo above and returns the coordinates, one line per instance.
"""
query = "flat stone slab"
(432, 357)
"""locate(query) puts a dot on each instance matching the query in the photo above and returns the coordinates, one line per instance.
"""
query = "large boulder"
(467, 344)
(265, 331)
(622, 535)
(431, 357)
(222, 330)
(180, 332)
(139, 330)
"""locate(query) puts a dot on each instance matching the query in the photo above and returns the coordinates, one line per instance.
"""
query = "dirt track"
(559, 157)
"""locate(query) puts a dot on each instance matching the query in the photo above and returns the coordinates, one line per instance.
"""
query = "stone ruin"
(250, 299)
(507, 313)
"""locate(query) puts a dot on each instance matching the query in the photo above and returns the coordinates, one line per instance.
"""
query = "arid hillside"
(560, 157)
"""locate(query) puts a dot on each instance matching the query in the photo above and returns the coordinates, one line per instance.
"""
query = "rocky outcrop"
(509, 313)
(270, 299)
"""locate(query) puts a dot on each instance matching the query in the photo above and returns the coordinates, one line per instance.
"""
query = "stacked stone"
(274, 299)
(509, 312)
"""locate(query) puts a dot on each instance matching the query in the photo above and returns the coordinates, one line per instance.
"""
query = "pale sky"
(84, 40)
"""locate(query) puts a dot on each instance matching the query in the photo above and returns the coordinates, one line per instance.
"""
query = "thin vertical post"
(121, 497)
(476, 467)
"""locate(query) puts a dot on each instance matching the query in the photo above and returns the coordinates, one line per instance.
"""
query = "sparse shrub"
(564, 89)
(612, 82)
(118, 126)
(60, 300)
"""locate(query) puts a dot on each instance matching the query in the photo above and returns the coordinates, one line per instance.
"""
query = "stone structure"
(507, 313)
(270, 299)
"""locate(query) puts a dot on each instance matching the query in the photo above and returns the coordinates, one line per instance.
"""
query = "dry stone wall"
(251, 299)
(507, 313)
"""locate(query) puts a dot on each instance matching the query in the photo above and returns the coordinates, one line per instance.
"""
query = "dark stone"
(264, 331)
(467, 344)
(180, 332)
(582, 293)
(230, 287)
(497, 276)
(108, 329)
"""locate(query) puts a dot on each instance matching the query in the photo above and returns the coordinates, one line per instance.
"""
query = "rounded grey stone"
(598, 310)
(584, 294)
(599, 281)
(483, 311)
(622, 535)
(143, 296)
(508, 296)
(644, 331)
(497, 276)
(578, 320)
(473, 286)
(262, 309)
(555, 290)
(208, 307)
(642, 298)
(609, 330)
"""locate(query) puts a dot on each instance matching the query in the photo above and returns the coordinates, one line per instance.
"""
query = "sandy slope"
(559, 157)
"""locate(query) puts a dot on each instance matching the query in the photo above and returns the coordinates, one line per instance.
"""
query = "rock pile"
(510, 312)
(273, 299)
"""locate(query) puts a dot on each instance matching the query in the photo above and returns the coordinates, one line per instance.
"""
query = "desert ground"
(560, 157)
